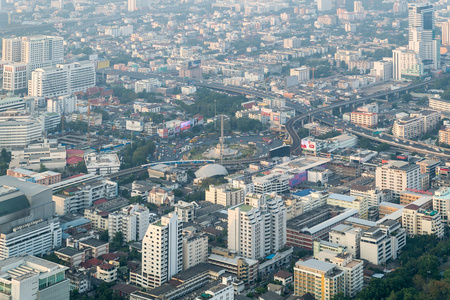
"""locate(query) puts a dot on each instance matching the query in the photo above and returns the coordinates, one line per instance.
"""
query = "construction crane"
(89, 120)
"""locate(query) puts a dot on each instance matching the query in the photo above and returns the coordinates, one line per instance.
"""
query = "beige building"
(107, 272)
(322, 279)
(98, 218)
(186, 210)
(195, 250)
(398, 176)
(416, 124)
(365, 119)
(439, 104)
(225, 195)
(353, 269)
(417, 221)
(444, 136)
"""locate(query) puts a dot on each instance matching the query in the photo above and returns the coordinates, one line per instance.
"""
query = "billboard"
(276, 118)
(192, 121)
(200, 120)
(308, 145)
(185, 125)
(281, 151)
(171, 131)
(177, 130)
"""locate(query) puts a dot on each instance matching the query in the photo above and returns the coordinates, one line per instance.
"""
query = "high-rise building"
(353, 269)
(62, 79)
(33, 278)
(416, 124)
(225, 195)
(28, 225)
(195, 250)
(36, 51)
(257, 227)
(132, 221)
(406, 62)
(322, 279)
(162, 252)
(421, 34)
(18, 131)
(132, 5)
(324, 5)
(15, 76)
(398, 176)
(62, 105)
(446, 33)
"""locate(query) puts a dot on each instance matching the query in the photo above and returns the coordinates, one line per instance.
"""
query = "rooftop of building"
(342, 197)
(243, 207)
(197, 269)
(315, 264)
(68, 251)
(18, 267)
(231, 261)
(93, 242)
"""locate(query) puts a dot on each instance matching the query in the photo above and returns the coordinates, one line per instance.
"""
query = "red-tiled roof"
(107, 267)
(71, 152)
(73, 160)
(99, 201)
(110, 256)
(94, 262)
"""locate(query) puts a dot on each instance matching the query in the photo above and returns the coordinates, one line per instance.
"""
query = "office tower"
(62, 79)
(398, 176)
(36, 51)
(33, 278)
(324, 5)
(28, 225)
(257, 227)
(421, 34)
(162, 252)
(446, 33)
(132, 5)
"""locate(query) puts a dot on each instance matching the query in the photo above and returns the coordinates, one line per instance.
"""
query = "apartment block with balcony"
(419, 221)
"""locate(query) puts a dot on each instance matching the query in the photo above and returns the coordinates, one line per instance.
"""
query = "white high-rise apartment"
(36, 51)
(398, 176)
(406, 62)
(132, 5)
(15, 76)
(257, 227)
(446, 33)
(12, 49)
(62, 79)
(324, 5)
(62, 105)
(421, 33)
(132, 221)
(162, 252)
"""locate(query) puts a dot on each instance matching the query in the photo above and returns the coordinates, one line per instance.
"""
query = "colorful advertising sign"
(185, 125)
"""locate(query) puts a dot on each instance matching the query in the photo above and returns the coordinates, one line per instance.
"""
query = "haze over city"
(224, 149)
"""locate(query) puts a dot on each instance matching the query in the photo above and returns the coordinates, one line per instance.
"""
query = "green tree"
(117, 240)
(104, 236)
(42, 168)
(406, 97)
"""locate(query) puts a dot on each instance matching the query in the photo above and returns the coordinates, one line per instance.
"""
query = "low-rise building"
(71, 256)
(186, 210)
(418, 221)
(161, 196)
(102, 164)
(107, 272)
(358, 203)
(75, 198)
(244, 268)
